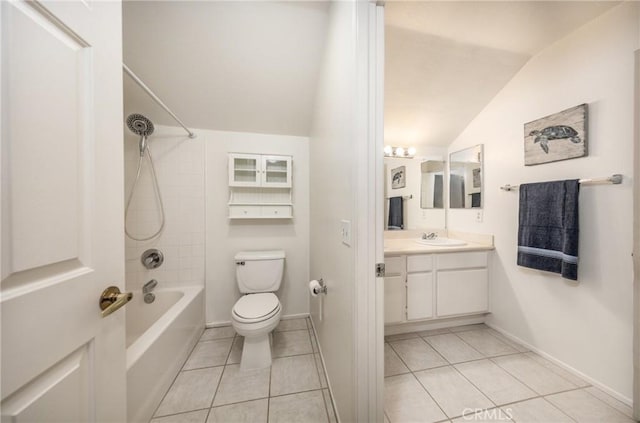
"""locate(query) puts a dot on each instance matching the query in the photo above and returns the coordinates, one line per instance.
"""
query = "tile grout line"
(485, 357)
(604, 402)
(470, 382)
(315, 362)
(525, 384)
(176, 376)
(320, 368)
(215, 393)
(177, 414)
(490, 358)
(430, 396)
(269, 393)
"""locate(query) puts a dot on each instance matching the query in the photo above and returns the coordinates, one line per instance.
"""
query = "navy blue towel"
(548, 230)
(395, 213)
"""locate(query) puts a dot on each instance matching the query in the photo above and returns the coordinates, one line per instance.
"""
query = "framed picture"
(398, 177)
(560, 136)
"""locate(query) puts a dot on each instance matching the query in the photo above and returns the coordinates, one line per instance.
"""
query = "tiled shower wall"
(179, 163)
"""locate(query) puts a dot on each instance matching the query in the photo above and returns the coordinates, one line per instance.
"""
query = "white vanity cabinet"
(431, 286)
(462, 283)
(260, 186)
(395, 298)
(420, 287)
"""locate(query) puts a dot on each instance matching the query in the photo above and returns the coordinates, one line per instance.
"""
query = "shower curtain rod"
(155, 98)
(614, 179)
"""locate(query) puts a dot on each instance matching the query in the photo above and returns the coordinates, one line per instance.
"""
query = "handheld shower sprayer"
(142, 126)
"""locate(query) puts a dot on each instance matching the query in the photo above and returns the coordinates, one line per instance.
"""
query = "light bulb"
(399, 151)
(411, 151)
(388, 150)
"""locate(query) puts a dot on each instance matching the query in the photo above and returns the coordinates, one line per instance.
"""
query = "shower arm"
(155, 98)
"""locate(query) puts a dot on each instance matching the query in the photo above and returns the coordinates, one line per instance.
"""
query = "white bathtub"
(160, 336)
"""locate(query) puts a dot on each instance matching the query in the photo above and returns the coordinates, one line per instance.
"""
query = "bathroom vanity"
(431, 282)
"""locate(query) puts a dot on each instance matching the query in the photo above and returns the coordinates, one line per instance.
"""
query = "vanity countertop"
(394, 246)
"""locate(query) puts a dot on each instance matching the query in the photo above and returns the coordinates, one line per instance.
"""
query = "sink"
(442, 242)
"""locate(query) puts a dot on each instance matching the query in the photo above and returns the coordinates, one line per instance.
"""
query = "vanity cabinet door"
(462, 292)
(419, 295)
(394, 299)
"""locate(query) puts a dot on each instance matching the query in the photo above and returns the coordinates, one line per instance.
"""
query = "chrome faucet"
(149, 286)
(431, 235)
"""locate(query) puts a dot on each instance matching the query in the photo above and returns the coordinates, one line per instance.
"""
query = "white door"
(62, 212)
(419, 296)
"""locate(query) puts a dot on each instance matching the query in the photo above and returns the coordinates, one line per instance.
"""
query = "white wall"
(588, 325)
(180, 168)
(332, 188)
(224, 237)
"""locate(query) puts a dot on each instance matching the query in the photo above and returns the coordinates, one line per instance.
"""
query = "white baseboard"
(407, 327)
(324, 367)
(228, 322)
(617, 395)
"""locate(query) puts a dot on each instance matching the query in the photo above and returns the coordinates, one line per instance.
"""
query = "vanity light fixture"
(399, 152)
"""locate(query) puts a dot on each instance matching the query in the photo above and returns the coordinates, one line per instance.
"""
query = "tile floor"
(474, 374)
(211, 388)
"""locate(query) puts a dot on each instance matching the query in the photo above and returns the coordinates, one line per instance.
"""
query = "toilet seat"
(255, 308)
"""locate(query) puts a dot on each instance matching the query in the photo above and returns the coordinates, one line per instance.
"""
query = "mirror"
(432, 185)
(413, 194)
(465, 178)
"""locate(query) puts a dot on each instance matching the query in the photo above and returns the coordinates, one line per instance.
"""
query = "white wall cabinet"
(432, 286)
(256, 170)
(260, 186)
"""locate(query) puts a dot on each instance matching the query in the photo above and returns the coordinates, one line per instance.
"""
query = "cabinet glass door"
(244, 170)
(276, 171)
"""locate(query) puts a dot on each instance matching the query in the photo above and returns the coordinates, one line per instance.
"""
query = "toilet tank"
(259, 271)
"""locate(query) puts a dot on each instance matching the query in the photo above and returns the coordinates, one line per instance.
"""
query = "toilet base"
(256, 353)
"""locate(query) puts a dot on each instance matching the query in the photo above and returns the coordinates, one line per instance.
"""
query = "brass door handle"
(112, 299)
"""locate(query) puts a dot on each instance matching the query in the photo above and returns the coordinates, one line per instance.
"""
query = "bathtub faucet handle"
(152, 258)
(149, 286)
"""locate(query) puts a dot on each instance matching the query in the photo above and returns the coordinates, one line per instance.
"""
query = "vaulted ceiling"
(226, 65)
(446, 60)
(252, 66)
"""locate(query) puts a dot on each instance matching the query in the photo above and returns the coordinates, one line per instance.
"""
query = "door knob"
(112, 299)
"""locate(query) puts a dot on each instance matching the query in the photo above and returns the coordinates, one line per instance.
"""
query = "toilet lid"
(254, 306)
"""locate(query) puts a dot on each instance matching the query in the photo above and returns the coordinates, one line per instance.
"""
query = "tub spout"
(148, 287)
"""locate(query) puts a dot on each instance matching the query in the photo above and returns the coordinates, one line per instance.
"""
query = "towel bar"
(614, 179)
(404, 197)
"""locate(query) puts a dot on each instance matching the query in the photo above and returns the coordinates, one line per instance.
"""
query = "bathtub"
(160, 337)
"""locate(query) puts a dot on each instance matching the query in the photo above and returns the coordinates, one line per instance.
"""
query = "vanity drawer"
(276, 211)
(468, 260)
(420, 263)
(394, 265)
(244, 211)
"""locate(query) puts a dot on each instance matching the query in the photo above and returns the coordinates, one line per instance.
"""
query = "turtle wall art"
(560, 136)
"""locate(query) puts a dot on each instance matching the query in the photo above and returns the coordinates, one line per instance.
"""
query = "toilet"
(258, 311)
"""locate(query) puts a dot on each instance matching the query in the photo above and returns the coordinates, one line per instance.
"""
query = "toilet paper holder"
(322, 289)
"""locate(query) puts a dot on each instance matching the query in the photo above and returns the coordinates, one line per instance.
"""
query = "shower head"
(140, 125)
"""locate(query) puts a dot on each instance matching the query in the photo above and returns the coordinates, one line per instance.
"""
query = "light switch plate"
(345, 228)
(478, 215)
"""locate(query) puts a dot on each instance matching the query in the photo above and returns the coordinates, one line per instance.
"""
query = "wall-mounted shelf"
(260, 186)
